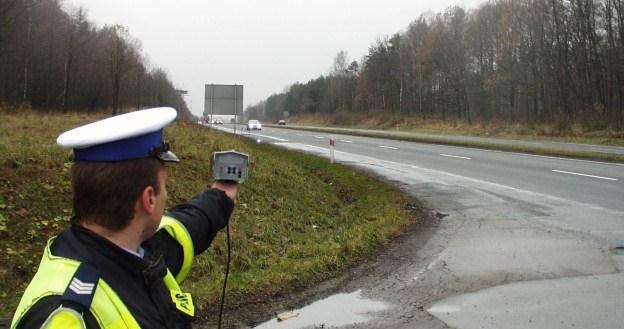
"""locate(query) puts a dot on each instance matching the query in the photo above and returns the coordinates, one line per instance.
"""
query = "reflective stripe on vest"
(180, 234)
(64, 318)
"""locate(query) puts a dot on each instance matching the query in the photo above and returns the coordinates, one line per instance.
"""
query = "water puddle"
(444, 309)
(337, 310)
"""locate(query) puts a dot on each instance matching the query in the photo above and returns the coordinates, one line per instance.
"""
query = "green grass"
(298, 219)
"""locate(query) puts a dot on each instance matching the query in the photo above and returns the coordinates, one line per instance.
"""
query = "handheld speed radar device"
(230, 165)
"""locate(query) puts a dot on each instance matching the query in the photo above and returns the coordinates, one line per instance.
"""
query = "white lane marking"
(388, 147)
(455, 156)
(300, 135)
(345, 141)
(584, 175)
(558, 158)
(319, 137)
(270, 137)
(306, 145)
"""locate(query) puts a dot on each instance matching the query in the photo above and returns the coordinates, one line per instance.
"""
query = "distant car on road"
(254, 125)
(217, 122)
(281, 122)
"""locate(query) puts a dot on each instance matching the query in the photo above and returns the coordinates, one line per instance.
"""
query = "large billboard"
(223, 100)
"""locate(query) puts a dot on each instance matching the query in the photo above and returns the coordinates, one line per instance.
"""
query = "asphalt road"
(595, 183)
(489, 140)
(518, 241)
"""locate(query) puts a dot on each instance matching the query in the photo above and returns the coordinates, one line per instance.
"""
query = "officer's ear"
(147, 200)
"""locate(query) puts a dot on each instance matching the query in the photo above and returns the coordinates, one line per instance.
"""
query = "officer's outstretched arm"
(178, 232)
(189, 228)
(204, 216)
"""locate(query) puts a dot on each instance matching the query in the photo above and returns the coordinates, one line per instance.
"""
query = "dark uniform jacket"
(139, 281)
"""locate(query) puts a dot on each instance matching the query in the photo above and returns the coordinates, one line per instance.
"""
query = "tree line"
(56, 59)
(531, 61)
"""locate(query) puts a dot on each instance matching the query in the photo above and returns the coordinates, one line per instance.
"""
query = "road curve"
(518, 241)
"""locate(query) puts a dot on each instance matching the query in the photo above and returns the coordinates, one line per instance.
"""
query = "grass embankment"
(448, 130)
(297, 219)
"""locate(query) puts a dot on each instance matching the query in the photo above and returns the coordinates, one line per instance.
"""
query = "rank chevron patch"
(81, 288)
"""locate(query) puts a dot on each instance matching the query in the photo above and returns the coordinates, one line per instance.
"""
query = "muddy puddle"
(336, 310)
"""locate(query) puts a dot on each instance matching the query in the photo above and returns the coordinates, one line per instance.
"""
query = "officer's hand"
(229, 187)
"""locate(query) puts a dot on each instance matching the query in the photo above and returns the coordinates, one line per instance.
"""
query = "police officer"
(120, 263)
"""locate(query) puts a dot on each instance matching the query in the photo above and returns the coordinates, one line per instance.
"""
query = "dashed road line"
(455, 156)
(388, 147)
(584, 175)
(270, 137)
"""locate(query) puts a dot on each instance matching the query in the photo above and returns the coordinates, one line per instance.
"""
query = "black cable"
(227, 271)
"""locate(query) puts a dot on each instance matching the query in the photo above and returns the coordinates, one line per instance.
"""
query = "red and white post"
(332, 145)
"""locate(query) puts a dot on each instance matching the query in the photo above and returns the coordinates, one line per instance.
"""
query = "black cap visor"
(167, 156)
(163, 153)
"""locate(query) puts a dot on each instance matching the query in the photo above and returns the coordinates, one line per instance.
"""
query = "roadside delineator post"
(332, 144)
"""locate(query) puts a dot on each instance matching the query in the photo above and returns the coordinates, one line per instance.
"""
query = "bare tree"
(75, 42)
(117, 60)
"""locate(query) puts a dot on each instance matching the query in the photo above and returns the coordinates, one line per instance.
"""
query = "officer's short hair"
(105, 193)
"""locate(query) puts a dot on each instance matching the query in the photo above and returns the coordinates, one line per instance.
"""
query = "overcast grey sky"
(264, 45)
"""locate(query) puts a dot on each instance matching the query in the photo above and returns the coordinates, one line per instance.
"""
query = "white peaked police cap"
(123, 137)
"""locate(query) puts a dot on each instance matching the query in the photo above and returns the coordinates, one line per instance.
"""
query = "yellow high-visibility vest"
(55, 273)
